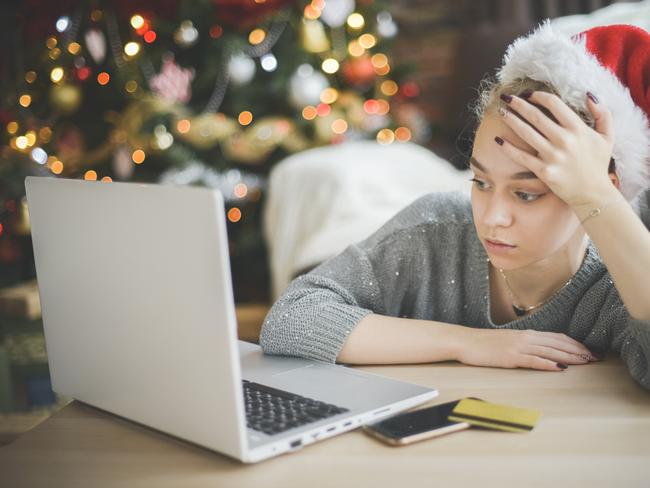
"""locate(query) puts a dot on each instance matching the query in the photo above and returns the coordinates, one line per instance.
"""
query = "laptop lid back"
(137, 304)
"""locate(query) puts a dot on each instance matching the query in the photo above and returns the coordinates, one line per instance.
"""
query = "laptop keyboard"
(271, 411)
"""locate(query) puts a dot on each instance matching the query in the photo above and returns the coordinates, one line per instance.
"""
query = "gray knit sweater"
(428, 263)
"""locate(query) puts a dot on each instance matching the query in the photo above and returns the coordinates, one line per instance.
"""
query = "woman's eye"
(527, 197)
(480, 184)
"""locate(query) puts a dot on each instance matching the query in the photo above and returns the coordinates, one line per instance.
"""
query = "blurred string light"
(234, 215)
(131, 86)
(330, 66)
(12, 127)
(339, 126)
(56, 74)
(21, 142)
(240, 190)
(367, 41)
(31, 138)
(138, 156)
(137, 21)
(90, 175)
(131, 48)
(63, 23)
(30, 77)
(356, 21)
(323, 109)
(256, 36)
(245, 117)
(187, 34)
(149, 36)
(163, 139)
(74, 48)
(329, 95)
(183, 126)
(403, 134)
(103, 78)
(25, 100)
(54, 53)
(309, 112)
(385, 136)
(355, 48)
(39, 155)
(388, 87)
(371, 106)
(51, 42)
(269, 62)
(56, 167)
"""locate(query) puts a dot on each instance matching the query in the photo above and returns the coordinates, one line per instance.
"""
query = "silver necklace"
(523, 310)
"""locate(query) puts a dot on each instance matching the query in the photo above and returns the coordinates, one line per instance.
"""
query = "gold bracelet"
(598, 210)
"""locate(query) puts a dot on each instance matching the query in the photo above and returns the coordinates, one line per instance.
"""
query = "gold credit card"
(494, 416)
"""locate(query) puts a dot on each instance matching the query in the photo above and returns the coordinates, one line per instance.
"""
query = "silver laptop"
(139, 320)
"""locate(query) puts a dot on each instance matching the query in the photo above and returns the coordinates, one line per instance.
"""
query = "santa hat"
(613, 63)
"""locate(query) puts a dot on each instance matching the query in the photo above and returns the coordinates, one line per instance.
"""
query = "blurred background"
(256, 98)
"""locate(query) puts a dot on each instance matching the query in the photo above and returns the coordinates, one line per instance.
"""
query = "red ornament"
(359, 71)
(83, 73)
(410, 89)
(149, 36)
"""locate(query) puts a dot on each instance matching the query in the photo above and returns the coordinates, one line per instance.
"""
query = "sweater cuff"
(334, 325)
(638, 358)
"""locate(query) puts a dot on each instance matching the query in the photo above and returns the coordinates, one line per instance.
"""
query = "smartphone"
(409, 427)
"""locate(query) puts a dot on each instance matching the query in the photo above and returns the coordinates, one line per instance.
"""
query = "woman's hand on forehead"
(572, 158)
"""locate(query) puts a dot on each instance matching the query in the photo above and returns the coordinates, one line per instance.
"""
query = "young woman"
(547, 266)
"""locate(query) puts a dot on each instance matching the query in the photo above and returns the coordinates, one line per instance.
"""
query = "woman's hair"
(489, 100)
(490, 91)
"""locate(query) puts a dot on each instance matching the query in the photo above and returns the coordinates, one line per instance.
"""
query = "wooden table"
(595, 431)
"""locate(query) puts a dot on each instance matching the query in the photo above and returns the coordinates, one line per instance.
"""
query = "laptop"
(139, 320)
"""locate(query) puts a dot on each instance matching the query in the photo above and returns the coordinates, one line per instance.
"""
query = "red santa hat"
(613, 63)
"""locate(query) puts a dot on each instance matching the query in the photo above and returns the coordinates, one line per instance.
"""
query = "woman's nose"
(497, 213)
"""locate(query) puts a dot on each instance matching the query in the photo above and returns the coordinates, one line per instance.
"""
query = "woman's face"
(512, 206)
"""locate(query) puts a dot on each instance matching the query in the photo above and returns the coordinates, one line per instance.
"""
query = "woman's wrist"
(591, 206)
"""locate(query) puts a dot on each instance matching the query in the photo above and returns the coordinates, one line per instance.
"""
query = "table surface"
(594, 431)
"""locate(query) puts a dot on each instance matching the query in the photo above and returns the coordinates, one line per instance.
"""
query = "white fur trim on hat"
(549, 56)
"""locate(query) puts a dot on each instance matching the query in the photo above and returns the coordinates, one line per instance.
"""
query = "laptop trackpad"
(329, 384)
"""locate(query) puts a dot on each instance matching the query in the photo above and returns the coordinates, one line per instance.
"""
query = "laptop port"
(295, 444)
(347, 424)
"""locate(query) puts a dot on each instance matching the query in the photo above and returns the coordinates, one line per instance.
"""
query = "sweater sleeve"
(628, 337)
(317, 312)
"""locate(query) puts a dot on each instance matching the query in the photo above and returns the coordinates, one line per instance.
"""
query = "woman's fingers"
(564, 343)
(524, 158)
(566, 117)
(535, 122)
(557, 355)
(602, 117)
(535, 362)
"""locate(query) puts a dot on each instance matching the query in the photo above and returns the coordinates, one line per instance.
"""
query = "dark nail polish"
(506, 98)
(498, 140)
(526, 95)
(592, 97)
(562, 366)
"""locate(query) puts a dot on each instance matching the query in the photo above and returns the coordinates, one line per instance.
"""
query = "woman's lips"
(497, 246)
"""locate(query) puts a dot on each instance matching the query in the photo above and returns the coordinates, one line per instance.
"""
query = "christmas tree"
(204, 92)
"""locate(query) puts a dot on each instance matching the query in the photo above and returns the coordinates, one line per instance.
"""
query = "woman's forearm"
(378, 339)
(624, 244)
